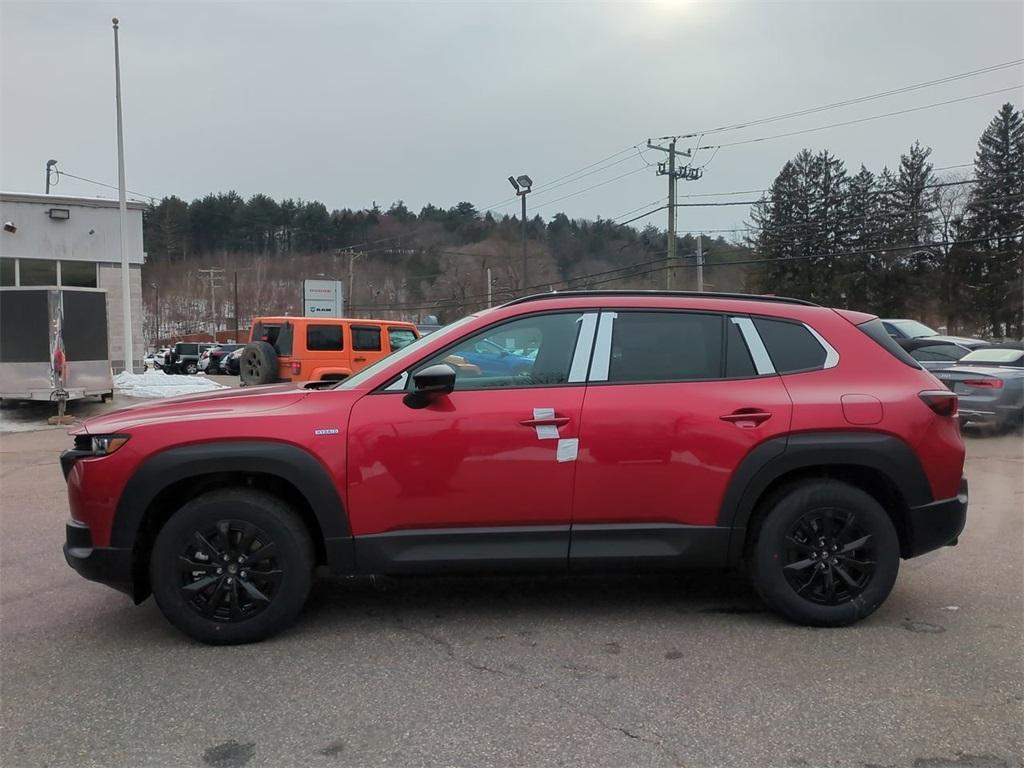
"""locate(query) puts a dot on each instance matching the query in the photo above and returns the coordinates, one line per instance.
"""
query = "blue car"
(494, 360)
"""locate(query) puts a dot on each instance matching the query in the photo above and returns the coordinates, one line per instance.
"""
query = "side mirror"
(430, 383)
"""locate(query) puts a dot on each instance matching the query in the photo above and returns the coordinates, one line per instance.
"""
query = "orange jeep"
(318, 348)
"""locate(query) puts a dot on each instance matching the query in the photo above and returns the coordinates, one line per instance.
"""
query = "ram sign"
(323, 298)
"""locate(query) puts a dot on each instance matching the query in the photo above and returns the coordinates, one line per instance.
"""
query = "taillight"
(985, 383)
(296, 368)
(942, 401)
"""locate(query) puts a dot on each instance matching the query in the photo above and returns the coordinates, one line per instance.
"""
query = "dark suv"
(642, 430)
(183, 357)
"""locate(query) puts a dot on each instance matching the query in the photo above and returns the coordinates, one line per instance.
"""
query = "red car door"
(489, 465)
(671, 411)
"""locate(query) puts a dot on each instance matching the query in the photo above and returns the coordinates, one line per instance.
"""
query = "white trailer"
(53, 344)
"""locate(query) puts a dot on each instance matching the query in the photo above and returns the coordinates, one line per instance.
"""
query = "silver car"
(990, 383)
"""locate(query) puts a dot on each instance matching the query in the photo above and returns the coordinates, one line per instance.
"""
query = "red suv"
(650, 430)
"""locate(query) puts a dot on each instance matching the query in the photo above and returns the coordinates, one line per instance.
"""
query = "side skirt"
(639, 547)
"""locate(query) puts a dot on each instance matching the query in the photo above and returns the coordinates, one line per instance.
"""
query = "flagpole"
(126, 298)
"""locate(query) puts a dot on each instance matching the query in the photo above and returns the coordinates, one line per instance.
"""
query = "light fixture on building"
(61, 214)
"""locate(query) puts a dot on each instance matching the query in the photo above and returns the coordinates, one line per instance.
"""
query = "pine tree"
(993, 227)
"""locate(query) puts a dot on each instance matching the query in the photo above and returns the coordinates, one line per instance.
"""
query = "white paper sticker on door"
(545, 431)
(567, 448)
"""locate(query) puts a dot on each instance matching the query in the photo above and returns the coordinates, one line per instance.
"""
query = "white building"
(53, 240)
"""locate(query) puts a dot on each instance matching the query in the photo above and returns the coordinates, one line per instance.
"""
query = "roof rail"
(670, 294)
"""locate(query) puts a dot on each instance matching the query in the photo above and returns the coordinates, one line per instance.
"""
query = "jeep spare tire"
(258, 364)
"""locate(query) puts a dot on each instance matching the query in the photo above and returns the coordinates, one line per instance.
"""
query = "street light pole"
(157, 334)
(522, 185)
(126, 297)
(51, 167)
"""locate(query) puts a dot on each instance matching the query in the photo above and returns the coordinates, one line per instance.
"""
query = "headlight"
(104, 445)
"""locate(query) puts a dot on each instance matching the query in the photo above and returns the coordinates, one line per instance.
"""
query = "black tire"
(191, 368)
(258, 364)
(831, 584)
(213, 602)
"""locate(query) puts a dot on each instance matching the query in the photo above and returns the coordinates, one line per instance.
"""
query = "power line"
(857, 100)
(864, 119)
(101, 184)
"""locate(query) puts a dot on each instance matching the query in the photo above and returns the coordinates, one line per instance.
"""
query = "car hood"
(230, 402)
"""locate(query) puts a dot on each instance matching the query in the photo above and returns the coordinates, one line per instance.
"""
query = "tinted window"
(187, 349)
(38, 272)
(790, 345)
(875, 329)
(530, 351)
(738, 362)
(6, 271)
(80, 274)
(666, 346)
(938, 352)
(322, 338)
(400, 337)
(366, 338)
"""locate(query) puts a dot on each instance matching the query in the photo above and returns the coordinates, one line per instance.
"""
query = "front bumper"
(938, 524)
(108, 565)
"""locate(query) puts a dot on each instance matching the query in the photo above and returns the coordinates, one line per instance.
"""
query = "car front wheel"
(232, 566)
(826, 554)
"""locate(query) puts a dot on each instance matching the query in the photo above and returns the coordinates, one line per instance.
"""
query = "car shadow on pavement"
(604, 596)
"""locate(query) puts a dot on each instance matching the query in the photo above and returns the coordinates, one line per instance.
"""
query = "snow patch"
(157, 384)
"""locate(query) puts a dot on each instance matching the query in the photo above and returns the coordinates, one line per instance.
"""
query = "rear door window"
(366, 338)
(791, 346)
(400, 337)
(324, 338)
(664, 346)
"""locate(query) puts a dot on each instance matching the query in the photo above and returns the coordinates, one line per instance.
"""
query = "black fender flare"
(269, 457)
(772, 459)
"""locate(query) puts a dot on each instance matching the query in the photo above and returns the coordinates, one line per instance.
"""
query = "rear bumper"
(938, 524)
(107, 565)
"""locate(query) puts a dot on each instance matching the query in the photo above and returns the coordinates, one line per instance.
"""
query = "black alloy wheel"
(829, 558)
(229, 571)
(252, 365)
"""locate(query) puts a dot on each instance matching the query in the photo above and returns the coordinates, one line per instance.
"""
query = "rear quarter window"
(875, 329)
(366, 338)
(790, 345)
(324, 338)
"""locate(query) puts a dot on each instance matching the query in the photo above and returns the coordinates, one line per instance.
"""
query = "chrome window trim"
(584, 346)
(603, 347)
(831, 356)
(762, 360)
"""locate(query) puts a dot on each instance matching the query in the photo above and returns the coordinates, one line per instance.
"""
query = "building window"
(38, 272)
(6, 271)
(78, 274)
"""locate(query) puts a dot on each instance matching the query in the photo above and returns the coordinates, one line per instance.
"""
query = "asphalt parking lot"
(611, 671)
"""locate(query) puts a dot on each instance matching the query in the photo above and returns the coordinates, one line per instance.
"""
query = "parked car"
(184, 356)
(912, 329)
(495, 360)
(662, 430)
(229, 364)
(211, 360)
(933, 353)
(990, 385)
(160, 358)
(318, 348)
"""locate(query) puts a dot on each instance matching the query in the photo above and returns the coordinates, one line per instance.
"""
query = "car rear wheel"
(191, 368)
(826, 554)
(232, 566)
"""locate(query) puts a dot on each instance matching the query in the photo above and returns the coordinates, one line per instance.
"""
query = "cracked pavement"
(670, 670)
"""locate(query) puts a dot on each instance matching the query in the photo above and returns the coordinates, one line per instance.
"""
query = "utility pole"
(235, 304)
(490, 302)
(351, 281)
(213, 274)
(700, 263)
(669, 169)
(156, 336)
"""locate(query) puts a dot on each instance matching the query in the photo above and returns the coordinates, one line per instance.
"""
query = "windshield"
(914, 329)
(404, 353)
(993, 356)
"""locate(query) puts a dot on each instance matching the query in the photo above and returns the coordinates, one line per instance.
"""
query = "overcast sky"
(440, 102)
